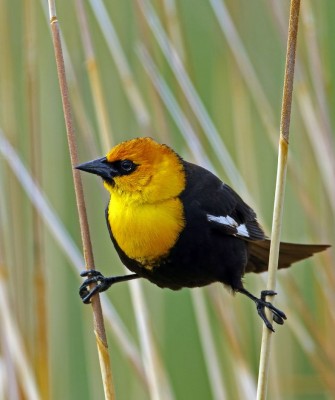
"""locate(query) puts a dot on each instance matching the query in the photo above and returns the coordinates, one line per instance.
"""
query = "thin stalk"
(126, 75)
(94, 78)
(244, 381)
(314, 116)
(208, 344)
(280, 188)
(158, 383)
(243, 63)
(9, 382)
(15, 343)
(84, 228)
(40, 313)
(174, 26)
(79, 111)
(159, 126)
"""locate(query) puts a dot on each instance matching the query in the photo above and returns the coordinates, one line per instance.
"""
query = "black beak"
(99, 167)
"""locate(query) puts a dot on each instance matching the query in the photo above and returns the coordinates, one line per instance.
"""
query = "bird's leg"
(102, 283)
(278, 316)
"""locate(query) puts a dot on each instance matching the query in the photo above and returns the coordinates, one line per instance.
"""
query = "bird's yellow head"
(140, 170)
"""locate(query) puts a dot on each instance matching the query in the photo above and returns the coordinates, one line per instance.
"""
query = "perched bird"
(178, 225)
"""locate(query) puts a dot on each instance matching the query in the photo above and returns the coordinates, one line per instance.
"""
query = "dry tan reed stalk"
(41, 331)
(280, 187)
(94, 76)
(15, 347)
(84, 228)
(124, 70)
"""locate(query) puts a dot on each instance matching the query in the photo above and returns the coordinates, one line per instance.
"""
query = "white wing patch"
(240, 229)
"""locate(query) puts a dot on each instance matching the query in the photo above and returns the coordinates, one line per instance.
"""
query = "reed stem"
(84, 227)
(280, 188)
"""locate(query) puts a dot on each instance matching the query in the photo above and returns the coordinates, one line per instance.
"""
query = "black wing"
(224, 209)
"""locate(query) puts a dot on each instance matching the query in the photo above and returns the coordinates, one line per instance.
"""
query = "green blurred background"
(206, 78)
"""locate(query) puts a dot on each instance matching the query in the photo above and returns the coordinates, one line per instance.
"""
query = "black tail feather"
(289, 253)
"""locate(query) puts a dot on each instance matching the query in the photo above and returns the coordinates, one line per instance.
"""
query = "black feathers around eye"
(127, 165)
(123, 167)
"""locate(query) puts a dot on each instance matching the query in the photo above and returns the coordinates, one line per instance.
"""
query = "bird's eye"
(127, 165)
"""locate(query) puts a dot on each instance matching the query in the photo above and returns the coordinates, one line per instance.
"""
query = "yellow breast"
(145, 231)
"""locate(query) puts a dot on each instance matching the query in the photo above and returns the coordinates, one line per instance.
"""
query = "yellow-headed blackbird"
(178, 225)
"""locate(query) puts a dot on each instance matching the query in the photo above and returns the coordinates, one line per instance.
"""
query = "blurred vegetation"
(206, 78)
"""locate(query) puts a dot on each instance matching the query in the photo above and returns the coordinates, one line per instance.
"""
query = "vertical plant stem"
(94, 78)
(33, 127)
(15, 342)
(280, 187)
(84, 228)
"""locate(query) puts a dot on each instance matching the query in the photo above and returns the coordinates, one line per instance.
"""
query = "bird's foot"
(261, 304)
(101, 284)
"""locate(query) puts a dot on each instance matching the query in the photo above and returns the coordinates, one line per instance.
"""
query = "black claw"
(87, 295)
(102, 283)
(96, 277)
(265, 293)
(261, 312)
(261, 303)
(90, 272)
(278, 320)
(278, 315)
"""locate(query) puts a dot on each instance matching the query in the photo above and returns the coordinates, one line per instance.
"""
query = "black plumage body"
(205, 252)
(178, 225)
